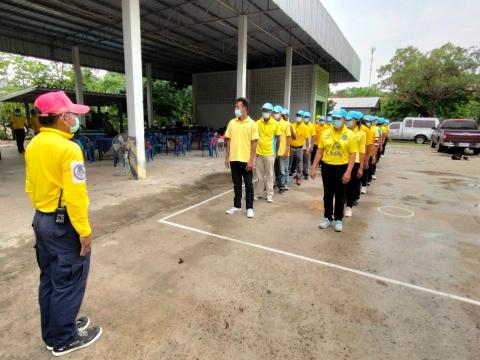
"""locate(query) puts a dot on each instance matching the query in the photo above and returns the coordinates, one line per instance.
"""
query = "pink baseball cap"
(56, 103)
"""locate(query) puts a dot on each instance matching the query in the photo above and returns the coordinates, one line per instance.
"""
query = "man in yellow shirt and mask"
(35, 122)
(281, 163)
(17, 122)
(56, 184)
(297, 145)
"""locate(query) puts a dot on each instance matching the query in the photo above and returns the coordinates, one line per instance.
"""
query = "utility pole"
(371, 65)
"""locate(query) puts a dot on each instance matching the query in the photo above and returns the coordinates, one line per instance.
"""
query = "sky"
(392, 24)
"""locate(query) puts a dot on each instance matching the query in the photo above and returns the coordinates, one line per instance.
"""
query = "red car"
(457, 134)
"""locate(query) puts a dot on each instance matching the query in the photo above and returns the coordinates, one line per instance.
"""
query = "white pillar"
(132, 48)
(288, 78)
(78, 79)
(242, 56)
(148, 73)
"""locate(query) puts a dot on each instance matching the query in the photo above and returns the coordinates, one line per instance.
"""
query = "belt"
(45, 213)
(297, 147)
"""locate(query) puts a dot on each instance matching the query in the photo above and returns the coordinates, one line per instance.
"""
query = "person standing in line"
(18, 122)
(282, 154)
(308, 144)
(376, 147)
(267, 150)
(366, 128)
(286, 117)
(35, 122)
(55, 182)
(297, 146)
(385, 132)
(336, 153)
(353, 187)
(320, 125)
(241, 137)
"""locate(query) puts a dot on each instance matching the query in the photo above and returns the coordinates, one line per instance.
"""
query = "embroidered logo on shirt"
(344, 137)
(78, 172)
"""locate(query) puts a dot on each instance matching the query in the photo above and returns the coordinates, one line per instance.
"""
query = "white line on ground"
(323, 263)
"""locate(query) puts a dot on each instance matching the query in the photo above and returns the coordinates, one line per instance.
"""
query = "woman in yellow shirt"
(336, 152)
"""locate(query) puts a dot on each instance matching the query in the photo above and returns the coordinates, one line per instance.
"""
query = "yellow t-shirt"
(241, 134)
(34, 121)
(53, 162)
(374, 130)
(311, 127)
(368, 133)
(285, 132)
(338, 146)
(18, 122)
(302, 132)
(361, 139)
(267, 136)
(318, 130)
(384, 130)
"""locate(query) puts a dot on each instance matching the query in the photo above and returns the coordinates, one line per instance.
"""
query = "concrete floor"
(272, 287)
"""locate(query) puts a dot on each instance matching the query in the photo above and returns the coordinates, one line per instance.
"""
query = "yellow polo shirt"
(368, 133)
(318, 130)
(374, 130)
(53, 162)
(361, 139)
(18, 122)
(338, 146)
(311, 127)
(285, 132)
(384, 130)
(35, 122)
(267, 133)
(241, 134)
(302, 132)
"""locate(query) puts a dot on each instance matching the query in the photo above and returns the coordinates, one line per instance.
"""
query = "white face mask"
(306, 120)
(276, 116)
(266, 115)
(299, 119)
(238, 113)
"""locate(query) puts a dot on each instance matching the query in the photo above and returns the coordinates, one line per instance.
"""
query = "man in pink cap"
(56, 185)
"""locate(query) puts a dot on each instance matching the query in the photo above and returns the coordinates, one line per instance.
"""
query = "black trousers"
(353, 186)
(239, 172)
(63, 278)
(314, 152)
(384, 146)
(20, 138)
(367, 177)
(333, 190)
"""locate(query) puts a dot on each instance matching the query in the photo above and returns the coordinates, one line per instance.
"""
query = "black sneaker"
(82, 324)
(281, 191)
(83, 339)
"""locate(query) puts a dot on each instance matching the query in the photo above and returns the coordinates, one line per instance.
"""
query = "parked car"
(417, 129)
(457, 134)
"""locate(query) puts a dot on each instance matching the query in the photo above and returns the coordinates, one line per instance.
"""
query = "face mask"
(337, 124)
(368, 124)
(276, 116)
(238, 113)
(306, 120)
(266, 115)
(74, 128)
(322, 122)
(349, 124)
(299, 119)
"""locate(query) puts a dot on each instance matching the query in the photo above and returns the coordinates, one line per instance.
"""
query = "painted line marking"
(384, 210)
(328, 264)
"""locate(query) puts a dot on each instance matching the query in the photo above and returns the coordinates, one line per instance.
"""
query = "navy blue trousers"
(63, 278)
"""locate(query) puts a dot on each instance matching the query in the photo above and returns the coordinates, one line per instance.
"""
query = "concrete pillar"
(132, 46)
(78, 79)
(148, 73)
(242, 56)
(288, 78)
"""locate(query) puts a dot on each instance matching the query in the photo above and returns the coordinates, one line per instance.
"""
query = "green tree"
(367, 91)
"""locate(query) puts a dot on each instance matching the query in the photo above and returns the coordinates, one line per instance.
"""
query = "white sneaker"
(374, 177)
(269, 200)
(363, 190)
(348, 212)
(233, 210)
(258, 197)
(250, 213)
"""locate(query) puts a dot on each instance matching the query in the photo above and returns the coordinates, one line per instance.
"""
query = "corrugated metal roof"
(179, 37)
(356, 102)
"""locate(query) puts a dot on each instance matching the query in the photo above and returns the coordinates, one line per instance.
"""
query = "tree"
(432, 84)
(367, 91)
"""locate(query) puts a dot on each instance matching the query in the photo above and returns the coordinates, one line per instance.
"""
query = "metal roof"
(91, 98)
(356, 102)
(179, 37)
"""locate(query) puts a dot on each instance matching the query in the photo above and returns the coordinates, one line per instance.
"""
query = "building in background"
(366, 105)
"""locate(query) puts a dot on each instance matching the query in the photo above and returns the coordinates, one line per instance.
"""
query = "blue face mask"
(337, 124)
(74, 128)
(349, 123)
(322, 122)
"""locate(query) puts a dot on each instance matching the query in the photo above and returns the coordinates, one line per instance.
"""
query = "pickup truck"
(413, 128)
(457, 134)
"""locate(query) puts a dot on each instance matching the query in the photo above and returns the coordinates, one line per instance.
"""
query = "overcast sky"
(392, 24)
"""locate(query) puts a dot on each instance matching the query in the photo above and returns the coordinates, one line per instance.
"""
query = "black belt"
(297, 147)
(45, 213)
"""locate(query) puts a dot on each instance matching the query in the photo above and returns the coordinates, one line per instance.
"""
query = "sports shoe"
(258, 197)
(269, 200)
(83, 339)
(338, 225)
(281, 191)
(82, 323)
(363, 190)
(233, 210)
(299, 181)
(286, 187)
(348, 211)
(250, 213)
(325, 223)
(374, 177)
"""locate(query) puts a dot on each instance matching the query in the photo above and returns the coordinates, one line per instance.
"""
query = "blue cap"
(285, 112)
(358, 115)
(267, 106)
(351, 115)
(387, 121)
(277, 109)
(329, 119)
(339, 113)
(367, 118)
(307, 114)
(323, 118)
(381, 121)
(301, 113)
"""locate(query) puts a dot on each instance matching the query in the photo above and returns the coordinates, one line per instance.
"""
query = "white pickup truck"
(417, 129)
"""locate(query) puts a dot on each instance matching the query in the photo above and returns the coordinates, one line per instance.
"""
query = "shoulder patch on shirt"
(79, 174)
